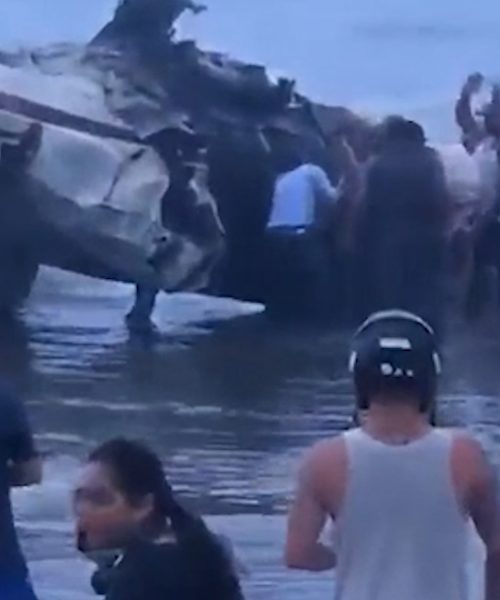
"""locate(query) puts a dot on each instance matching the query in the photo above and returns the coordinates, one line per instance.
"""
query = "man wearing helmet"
(401, 493)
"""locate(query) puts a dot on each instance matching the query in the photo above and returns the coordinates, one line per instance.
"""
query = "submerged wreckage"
(93, 139)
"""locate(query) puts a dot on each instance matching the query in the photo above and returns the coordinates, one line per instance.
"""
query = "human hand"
(473, 84)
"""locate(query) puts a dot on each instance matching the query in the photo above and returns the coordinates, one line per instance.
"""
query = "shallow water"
(230, 407)
(228, 401)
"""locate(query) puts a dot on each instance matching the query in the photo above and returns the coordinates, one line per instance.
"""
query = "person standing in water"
(299, 244)
(400, 492)
(402, 228)
(181, 212)
(153, 548)
(20, 466)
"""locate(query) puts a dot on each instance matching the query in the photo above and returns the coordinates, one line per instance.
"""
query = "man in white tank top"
(400, 492)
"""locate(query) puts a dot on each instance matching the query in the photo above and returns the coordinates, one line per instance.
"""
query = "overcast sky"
(364, 51)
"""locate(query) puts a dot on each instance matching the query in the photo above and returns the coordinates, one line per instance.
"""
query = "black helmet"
(395, 350)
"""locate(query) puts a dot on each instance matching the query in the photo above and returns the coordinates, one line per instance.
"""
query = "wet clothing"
(16, 446)
(298, 195)
(166, 571)
(401, 532)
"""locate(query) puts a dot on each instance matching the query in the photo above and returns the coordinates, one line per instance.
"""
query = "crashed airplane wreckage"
(91, 138)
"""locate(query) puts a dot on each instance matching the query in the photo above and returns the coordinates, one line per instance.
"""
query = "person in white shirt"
(298, 195)
(301, 229)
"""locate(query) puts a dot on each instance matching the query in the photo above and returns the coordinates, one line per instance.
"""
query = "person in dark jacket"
(402, 231)
(146, 544)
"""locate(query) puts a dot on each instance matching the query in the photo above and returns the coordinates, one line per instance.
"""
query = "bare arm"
(473, 133)
(306, 521)
(350, 192)
(350, 172)
(484, 510)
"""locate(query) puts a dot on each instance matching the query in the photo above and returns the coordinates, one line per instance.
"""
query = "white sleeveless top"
(400, 534)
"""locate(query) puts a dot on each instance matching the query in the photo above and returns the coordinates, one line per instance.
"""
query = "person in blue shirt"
(20, 466)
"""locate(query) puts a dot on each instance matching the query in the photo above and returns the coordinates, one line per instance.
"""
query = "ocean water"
(228, 402)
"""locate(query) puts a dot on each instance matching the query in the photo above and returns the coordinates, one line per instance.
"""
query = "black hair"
(137, 472)
(399, 130)
(406, 187)
(402, 228)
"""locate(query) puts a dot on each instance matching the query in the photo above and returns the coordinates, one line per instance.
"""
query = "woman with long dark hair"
(147, 545)
(402, 236)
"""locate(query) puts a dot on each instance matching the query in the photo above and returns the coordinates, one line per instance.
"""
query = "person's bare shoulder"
(325, 467)
(470, 467)
(466, 447)
(326, 451)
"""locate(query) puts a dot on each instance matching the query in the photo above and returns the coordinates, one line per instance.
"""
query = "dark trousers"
(298, 274)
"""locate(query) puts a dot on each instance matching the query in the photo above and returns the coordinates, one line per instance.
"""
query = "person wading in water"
(400, 492)
(146, 544)
(299, 245)
(402, 226)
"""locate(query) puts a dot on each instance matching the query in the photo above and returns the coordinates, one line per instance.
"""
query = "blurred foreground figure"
(20, 466)
(147, 546)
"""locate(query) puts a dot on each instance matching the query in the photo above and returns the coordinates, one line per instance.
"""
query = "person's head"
(123, 494)
(286, 151)
(395, 360)
(397, 130)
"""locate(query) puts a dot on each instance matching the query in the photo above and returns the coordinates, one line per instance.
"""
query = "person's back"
(400, 492)
(400, 532)
(164, 570)
(402, 232)
(406, 187)
(297, 196)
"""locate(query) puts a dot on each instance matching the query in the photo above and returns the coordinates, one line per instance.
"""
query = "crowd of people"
(400, 492)
(387, 220)
(396, 228)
